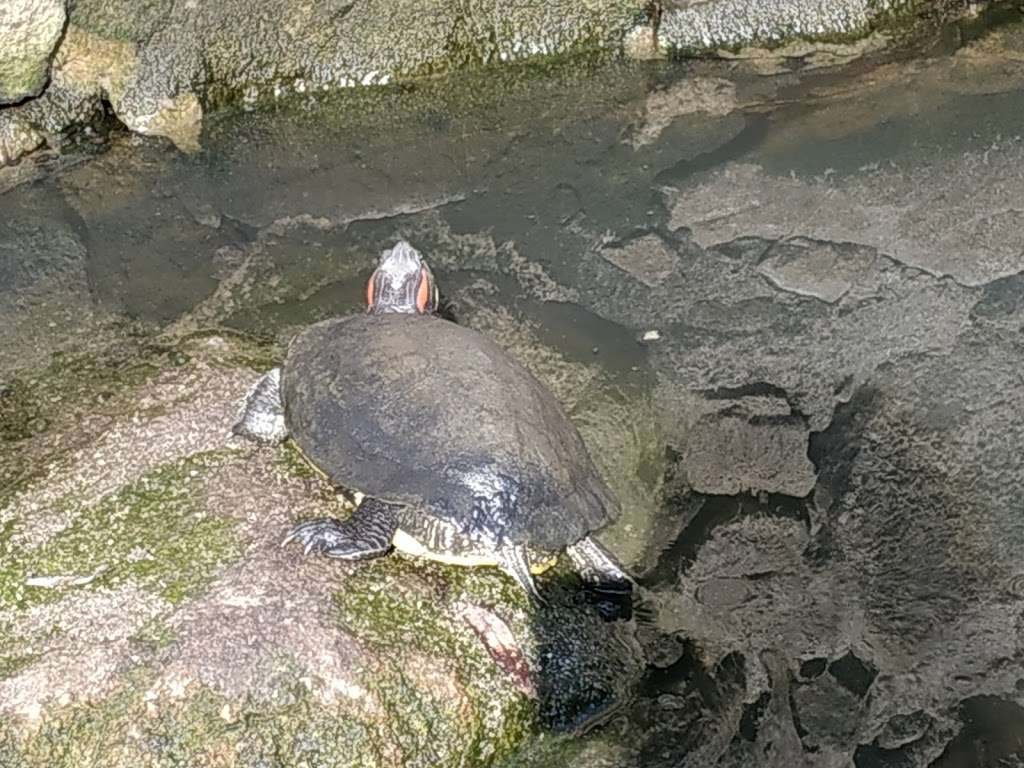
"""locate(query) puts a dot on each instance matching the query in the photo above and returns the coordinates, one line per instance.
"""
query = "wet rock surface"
(791, 337)
(159, 67)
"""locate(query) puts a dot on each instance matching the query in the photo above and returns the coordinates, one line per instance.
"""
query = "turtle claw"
(361, 536)
(319, 534)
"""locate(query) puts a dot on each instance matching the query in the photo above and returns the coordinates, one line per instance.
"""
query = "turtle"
(460, 454)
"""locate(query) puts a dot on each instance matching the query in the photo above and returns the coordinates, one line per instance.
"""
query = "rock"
(146, 604)
(176, 60)
(17, 138)
(29, 32)
(687, 27)
(648, 259)
(43, 282)
(641, 43)
(891, 210)
(907, 582)
(747, 445)
(710, 95)
(190, 57)
(825, 270)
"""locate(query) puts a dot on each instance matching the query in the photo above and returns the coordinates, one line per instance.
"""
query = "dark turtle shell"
(417, 410)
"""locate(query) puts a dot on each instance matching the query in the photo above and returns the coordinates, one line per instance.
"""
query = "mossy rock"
(150, 617)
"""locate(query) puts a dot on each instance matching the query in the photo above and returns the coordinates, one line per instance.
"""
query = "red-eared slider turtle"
(461, 454)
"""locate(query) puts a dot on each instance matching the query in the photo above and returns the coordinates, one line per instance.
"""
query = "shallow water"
(569, 210)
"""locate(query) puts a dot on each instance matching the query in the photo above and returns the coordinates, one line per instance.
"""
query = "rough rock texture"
(161, 65)
(747, 444)
(148, 613)
(687, 26)
(177, 59)
(807, 401)
(29, 32)
(953, 238)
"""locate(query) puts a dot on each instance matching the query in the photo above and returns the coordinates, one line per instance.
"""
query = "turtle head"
(402, 283)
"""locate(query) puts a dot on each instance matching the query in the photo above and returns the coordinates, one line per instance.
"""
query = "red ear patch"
(369, 291)
(423, 292)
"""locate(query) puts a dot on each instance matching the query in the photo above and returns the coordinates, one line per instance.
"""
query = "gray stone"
(690, 26)
(747, 445)
(959, 216)
(920, 479)
(828, 713)
(43, 280)
(648, 259)
(825, 270)
(29, 32)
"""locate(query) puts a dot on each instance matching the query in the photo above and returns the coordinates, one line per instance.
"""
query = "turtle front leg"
(263, 415)
(366, 533)
(598, 567)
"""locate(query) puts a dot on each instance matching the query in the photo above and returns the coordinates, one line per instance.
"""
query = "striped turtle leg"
(598, 566)
(366, 533)
(262, 417)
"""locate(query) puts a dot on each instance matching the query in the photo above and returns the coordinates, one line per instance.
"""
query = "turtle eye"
(423, 291)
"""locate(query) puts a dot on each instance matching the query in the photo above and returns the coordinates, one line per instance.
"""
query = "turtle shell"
(420, 411)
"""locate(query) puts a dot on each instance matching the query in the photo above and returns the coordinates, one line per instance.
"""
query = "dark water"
(517, 184)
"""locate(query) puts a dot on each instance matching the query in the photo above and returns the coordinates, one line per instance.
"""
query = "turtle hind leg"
(262, 417)
(515, 561)
(598, 567)
(366, 533)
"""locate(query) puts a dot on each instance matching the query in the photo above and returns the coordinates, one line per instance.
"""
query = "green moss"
(151, 533)
(433, 731)
(389, 616)
(120, 730)
(12, 665)
(135, 21)
(71, 386)
(293, 462)
(19, 412)
(153, 636)
(548, 750)
(379, 605)
(23, 77)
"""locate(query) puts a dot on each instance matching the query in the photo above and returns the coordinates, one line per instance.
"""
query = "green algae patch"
(12, 665)
(41, 410)
(152, 533)
(407, 610)
(203, 728)
(293, 462)
(152, 637)
(19, 412)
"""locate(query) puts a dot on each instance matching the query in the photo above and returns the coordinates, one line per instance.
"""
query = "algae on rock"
(149, 615)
